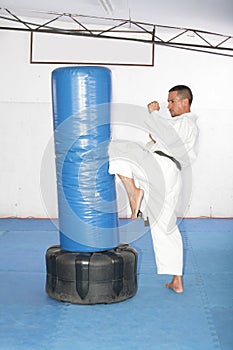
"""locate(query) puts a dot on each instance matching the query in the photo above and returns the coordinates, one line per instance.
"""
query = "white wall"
(26, 123)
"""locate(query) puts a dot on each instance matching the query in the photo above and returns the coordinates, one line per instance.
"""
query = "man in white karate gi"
(156, 169)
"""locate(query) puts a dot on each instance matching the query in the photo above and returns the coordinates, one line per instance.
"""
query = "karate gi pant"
(160, 180)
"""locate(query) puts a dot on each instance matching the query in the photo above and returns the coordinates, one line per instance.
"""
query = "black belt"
(172, 158)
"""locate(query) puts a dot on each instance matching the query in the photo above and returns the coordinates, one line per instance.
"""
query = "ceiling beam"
(120, 29)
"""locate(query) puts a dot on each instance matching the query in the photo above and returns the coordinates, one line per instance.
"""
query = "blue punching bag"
(88, 220)
(89, 266)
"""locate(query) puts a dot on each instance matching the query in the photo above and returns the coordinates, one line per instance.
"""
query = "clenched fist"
(153, 106)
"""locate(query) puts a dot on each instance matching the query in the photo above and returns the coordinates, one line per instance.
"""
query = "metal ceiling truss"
(117, 29)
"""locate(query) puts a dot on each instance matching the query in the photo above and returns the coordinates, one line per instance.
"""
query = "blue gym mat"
(156, 318)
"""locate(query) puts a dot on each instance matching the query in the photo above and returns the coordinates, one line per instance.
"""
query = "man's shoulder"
(186, 118)
(185, 123)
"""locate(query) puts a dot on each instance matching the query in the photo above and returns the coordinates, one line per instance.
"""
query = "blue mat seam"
(204, 297)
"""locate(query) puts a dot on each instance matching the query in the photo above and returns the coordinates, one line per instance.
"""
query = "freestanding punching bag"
(89, 266)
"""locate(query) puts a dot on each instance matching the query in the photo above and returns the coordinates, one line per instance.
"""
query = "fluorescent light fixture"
(107, 6)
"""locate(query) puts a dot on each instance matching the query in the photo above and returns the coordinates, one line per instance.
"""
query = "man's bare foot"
(176, 284)
(135, 201)
(135, 194)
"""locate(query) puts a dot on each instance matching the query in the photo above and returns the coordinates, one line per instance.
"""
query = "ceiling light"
(107, 6)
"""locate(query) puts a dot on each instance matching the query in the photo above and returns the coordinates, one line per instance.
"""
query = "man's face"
(176, 105)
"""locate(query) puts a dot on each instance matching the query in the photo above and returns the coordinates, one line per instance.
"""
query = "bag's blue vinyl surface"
(88, 219)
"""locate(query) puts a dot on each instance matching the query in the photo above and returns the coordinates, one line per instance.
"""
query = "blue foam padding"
(206, 225)
(223, 321)
(30, 320)
(88, 218)
(13, 224)
(219, 294)
(156, 318)
(25, 254)
(221, 258)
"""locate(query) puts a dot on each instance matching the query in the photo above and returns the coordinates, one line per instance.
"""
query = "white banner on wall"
(59, 49)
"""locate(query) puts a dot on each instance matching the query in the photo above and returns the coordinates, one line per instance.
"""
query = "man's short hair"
(183, 92)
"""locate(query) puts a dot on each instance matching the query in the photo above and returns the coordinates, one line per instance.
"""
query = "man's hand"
(153, 106)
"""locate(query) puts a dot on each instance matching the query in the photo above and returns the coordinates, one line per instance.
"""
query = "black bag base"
(91, 278)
